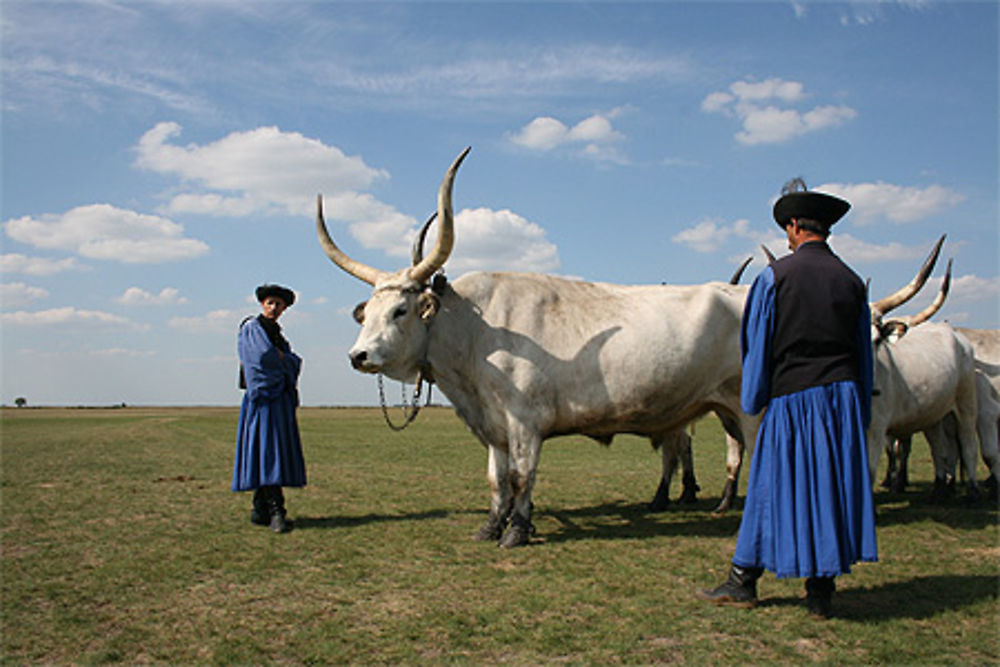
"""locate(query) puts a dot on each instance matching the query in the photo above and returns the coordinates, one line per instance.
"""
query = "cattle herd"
(524, 357)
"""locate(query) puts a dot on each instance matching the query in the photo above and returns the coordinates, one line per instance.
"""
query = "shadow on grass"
(619, 520)
(915, 505)
(918, 598)
(311, 522)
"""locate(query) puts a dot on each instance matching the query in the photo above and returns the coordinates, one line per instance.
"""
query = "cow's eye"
(399, 312)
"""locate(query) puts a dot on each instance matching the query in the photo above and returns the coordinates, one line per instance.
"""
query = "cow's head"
(394, 320)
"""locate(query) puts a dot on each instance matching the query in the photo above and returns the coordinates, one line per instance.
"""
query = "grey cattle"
(524, 357)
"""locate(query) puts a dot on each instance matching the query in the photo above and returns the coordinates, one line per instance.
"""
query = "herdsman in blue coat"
(807, 359)
(268, 448)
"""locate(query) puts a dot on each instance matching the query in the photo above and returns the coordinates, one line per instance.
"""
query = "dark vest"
(818, 300)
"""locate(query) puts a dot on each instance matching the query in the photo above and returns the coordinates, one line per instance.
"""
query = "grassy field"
(121, 542)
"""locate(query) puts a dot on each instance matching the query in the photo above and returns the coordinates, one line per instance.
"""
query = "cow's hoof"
(515, 536)
(990, 488)
(689, 494)
(490, 531)
(942, 491)
(728, 493)
(661, 500)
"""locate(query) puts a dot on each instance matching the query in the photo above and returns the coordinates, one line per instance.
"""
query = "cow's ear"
(359, 312)
(429, 303)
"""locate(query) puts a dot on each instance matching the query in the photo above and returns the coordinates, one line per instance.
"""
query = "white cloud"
(973, 288)
(261, 171)
(68, 315)
(14, 295)
(270, 172)
(121, 352)
(595, 134)
(135, 296)
(707, 235)
(101, 231)
(895, 203)
(766, 111)
(856, 251)
(774, 88)
(499, 241)
(37, 266)
(216, 321)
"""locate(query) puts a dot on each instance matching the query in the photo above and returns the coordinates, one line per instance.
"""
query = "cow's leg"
(890, 469)
(498, 473)
(943, 441)
(668, 446)
(901, 477)
(966, 411)
(525, 449)
(689, 484)
(734, 460)
(988, 425)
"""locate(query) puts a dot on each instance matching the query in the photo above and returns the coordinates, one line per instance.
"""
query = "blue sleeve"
(267, 374)
(755, 342)
(867, 370)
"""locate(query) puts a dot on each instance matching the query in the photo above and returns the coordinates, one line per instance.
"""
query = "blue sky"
(161, 159)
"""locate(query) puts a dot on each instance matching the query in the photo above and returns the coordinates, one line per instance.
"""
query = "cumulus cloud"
(895, 203)
(121, 352)
(13, 295)
(766, 109)
(68, 315)
(261, 171)
(706, 235)
(136, 296)
(973, 288)
(267, 171)
(593, 136)
(101, 231)
(37, 266)
(500, 241)
(215, 321)
(857, 251)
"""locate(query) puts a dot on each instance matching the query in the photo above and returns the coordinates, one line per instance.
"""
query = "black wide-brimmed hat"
(802, 203)
(283, 293)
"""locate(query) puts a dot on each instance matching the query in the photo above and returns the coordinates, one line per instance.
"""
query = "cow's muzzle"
(360, 362)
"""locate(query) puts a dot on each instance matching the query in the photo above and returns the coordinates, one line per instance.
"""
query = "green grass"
(122, 543)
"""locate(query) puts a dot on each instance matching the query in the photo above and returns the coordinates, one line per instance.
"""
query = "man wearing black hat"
(268, 448)
(807, 358)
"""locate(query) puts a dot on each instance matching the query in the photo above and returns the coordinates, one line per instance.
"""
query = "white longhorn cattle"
(920, 379)
(943, 439)
(524, 357)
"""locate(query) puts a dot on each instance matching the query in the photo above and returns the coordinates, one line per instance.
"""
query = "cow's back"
(593, 358)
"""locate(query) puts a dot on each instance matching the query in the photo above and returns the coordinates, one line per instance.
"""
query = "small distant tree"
(20, 401)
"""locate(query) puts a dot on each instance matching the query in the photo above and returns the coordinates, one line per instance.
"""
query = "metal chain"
(414, 406)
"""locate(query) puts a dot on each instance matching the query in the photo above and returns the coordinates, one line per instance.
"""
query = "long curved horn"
(929, 311)
(770, 255)
(417, 252)
(337, 256)
(884, 305)
(735, 280)
(446, 235)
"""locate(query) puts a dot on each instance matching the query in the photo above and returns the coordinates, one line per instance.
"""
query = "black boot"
(260, 515)
(276, 508)
(739, 590)
(819, 596)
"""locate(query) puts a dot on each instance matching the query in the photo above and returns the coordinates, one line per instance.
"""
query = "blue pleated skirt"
(809, 510)
(268, 448)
